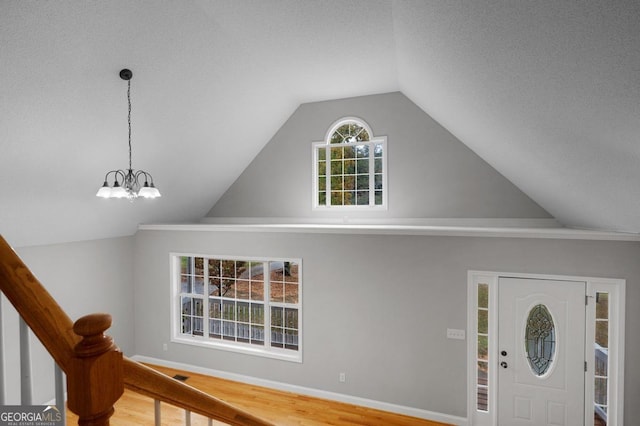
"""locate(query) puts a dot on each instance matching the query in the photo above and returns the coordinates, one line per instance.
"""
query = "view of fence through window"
(601, 359)
(224, 300)
(483, 345)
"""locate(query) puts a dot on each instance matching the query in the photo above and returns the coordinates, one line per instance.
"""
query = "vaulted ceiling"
(546, 91)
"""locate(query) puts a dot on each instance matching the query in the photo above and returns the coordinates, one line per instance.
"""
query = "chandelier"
(126, 183)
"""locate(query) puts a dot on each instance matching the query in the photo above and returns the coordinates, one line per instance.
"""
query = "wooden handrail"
(35, 305)
(93, 359)
(147, 381)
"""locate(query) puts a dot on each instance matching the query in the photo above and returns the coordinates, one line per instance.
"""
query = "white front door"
(541, 338)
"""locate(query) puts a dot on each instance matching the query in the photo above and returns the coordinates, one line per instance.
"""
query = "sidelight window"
(601, 349)
(482, 353)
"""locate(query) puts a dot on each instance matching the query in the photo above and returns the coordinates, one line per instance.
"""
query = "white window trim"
(339, 122)
(475, 417)
(616, 290)
(373, 140)
(267, 350)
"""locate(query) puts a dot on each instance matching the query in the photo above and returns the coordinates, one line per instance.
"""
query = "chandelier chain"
(129, 118)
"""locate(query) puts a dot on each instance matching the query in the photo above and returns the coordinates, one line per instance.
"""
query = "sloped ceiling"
(547, 92)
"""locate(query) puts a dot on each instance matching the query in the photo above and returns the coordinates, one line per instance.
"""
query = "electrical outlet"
(165, 347)
(453, 333)
(342, 377)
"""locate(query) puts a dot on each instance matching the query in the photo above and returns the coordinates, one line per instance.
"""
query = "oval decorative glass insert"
(540, 339)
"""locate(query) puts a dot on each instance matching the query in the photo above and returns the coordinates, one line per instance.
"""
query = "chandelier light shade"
(127, 183)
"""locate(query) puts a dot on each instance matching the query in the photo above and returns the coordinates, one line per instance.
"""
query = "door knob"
(503, 353)
(503, 364)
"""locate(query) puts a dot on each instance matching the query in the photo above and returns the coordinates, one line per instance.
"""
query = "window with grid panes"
(482, 382)
(350, 167)
(601, 371)
(240, 304)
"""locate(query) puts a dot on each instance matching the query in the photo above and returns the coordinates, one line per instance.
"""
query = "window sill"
(230, 347)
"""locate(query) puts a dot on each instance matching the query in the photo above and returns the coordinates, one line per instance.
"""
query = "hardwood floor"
(281, 408)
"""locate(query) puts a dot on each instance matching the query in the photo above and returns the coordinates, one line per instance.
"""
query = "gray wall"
(377, 307)
(431, 174)
(83, 277)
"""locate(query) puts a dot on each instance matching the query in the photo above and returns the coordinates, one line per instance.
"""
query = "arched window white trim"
(350, 167)
(345, 120)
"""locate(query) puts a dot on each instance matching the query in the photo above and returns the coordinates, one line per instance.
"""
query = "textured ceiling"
(547, 92)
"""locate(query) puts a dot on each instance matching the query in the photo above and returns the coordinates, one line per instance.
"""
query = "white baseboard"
(333, 396)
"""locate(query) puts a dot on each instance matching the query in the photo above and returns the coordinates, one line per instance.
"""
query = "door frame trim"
(615, 288)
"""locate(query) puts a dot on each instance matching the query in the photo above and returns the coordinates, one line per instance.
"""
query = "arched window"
(350, 167)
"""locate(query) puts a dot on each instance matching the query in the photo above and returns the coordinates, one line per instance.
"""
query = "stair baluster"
(59, 392)
(25, 365)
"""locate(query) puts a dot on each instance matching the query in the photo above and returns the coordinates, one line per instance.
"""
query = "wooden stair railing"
(149, 382)
(96, 370)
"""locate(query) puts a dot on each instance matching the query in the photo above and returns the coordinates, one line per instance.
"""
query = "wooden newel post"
(95, 381)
